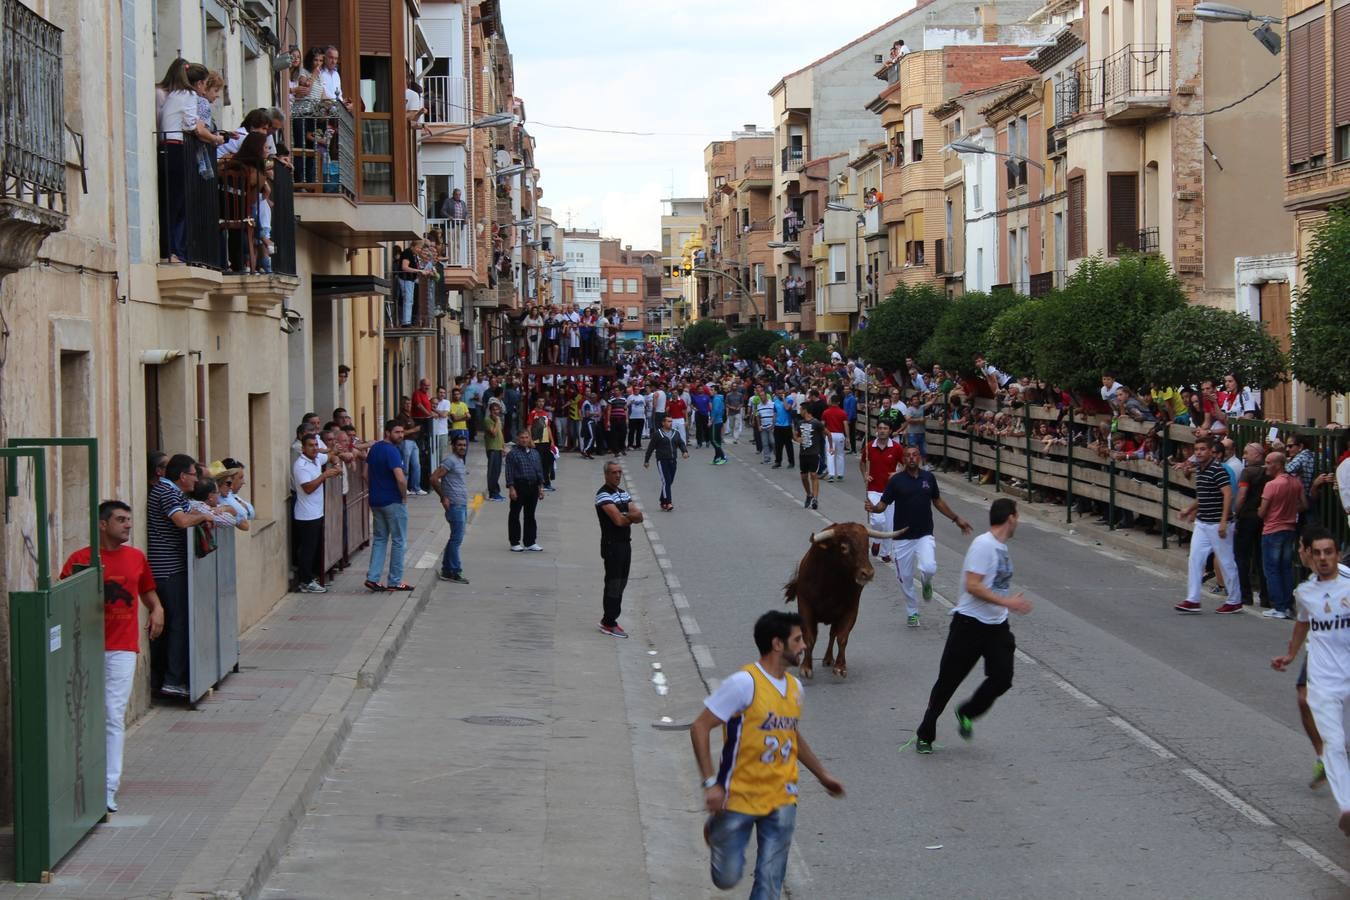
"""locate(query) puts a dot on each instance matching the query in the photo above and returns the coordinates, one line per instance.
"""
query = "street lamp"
(1222, 12)
(836, 206)
(508, 171)
(969, 147)
(780, 245)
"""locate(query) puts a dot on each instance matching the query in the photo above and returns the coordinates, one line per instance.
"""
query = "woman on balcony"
(179, 122)
(534, 332)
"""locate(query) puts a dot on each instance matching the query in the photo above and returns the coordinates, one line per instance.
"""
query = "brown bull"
(829, 580)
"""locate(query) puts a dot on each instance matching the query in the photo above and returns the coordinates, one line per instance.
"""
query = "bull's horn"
(886, 535)
(823, 536)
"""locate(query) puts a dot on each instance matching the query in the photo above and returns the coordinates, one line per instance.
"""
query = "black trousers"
(307, 537)
(588, 429)
(547, 462)
(782, 437)
(526, 499)
(701, 433)
(618, 435)
(635, 427)
(618, 556)
(169, 652)
(494, 473)
(1247, 553)
(967, 642)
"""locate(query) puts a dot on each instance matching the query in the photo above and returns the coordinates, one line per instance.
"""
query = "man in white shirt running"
(979, 629)
(1323, 604)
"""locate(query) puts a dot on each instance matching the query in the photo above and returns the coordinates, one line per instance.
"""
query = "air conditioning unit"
(261, 9)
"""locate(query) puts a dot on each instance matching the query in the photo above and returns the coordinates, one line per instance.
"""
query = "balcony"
(757, 165)
(443, 98)
(458, 250)
(1137, 83)
(323, 141)
(32, 135)
(1148, 240)
(793, 158)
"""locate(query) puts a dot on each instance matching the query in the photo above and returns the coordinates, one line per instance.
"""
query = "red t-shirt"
(676, 408)
(1282, 495)
(881, 464)
(836, 420)
(126, 576)
(421, 405)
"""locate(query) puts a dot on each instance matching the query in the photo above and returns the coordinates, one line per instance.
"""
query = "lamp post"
(1222, 12)
(495, 120)
(969, 147)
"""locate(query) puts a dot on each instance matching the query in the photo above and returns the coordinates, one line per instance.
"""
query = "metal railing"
(1041, 283)
(443, 99)
(32, 135)
(1138, 70)
(757, 162)
(793, 158)
(323, 145)
(458, 247)
(1078, 91)
(1148, 240)
(189, 200)
(283, 221)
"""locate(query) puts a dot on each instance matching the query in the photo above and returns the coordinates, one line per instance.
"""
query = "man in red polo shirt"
(878, 463)
(836, 427)
(678, 410)
(127, 582)
(422, 414)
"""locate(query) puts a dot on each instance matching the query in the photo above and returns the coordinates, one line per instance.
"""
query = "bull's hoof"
(807, 673)
(841, 671)
(827, 662)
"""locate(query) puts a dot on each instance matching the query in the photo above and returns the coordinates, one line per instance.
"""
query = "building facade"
(734, 276)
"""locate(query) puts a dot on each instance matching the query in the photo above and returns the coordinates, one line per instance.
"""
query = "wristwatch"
(710, 781)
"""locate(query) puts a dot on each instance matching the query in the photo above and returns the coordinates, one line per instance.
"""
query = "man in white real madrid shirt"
(1323, 605)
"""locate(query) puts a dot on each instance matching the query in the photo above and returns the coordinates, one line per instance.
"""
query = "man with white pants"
(836, 428)
(914, 491)
(1211, 510)
(878, 463)
(1323, 605)
(127, 583)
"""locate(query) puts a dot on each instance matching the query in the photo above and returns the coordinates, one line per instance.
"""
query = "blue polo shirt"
(912, 497)
(381, 461)
(782, 413)
(851, 406)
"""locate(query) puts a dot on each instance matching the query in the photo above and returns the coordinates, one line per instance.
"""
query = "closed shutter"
(322, 25)
(1077, 220)
(1122, 213)
(1317, 88)
(377, 27)
(1340, 66)
(1307, 92)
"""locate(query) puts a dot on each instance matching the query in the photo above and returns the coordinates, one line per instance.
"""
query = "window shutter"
(377, 27)
(1122, 211)
(322, 25)
(1076, 219)
(1317, 88)
(1340, 66)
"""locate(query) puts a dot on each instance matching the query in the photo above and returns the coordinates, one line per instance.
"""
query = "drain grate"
(511, 721)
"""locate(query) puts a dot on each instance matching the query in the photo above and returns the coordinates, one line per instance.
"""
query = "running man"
(755, 787)
(878, 463)
(665, 443)
(810, 433)
(1323, 604)
(979, 628)
(914, 491)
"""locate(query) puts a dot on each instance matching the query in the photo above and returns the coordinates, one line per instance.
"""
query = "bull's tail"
(790, 589)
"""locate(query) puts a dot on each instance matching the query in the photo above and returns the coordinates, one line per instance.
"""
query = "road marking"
(1075, 693)
(689, 625)
(1318, 860)
(651, 533)
(1227, 796)
(702, 656)
(426, 562)
(658, 549)
(1158, 749)
(672, 582)
(680, 600)
(663, 562)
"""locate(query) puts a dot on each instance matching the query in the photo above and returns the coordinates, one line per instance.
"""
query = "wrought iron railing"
(1041, 284)
(189, 200)
(32, 135)
(793, 157)
(1138, 70)
(323, 144)
(283, 221)
(443, 99)
(1148, 240)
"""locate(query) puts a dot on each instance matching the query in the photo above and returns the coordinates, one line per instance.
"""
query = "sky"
(691, 72)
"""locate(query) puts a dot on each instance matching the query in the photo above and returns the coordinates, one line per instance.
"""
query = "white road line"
(1021, 656)
(1075, 693)
(689, 625)
(426, 562)
(679, 599)
(672, 582)
(663, 562)
(1158, 749)
(658, 549)
(702, 656)
(651, 533)
(1227, 796)
(1318, 860)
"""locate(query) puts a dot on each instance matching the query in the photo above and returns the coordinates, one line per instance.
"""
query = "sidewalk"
(511, 750)
(210, 796)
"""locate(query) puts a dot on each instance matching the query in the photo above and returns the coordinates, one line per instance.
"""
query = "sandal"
(401, 586)
(374, 586)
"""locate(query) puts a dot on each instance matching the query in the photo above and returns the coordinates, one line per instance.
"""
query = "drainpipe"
(201, 407)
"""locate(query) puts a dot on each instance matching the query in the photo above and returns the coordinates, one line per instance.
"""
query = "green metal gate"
(56, 653)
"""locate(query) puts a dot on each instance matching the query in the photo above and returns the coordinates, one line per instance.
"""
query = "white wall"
(981, 177)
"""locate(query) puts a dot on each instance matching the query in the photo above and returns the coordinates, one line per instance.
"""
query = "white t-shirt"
(637, 407)
(1242, 402)
(659, 401)
(737, 691)
(1000, 378)
(308, 507)
(1325, 606)
(440, 425)
(988, 558)
(1109, 393)
(1343, 480)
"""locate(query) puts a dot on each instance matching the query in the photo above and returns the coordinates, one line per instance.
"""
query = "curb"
(269, 835)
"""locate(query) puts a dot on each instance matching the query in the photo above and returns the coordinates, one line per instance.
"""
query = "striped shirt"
(1303, 467)
(609, 532)
(523, 467)
(166, 544)
(1209, 485)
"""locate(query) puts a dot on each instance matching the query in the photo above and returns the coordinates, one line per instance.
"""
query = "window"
(1306, 95)
(719, 181)
(1077, 225)
(759, 278)
(653, 285)
(1340, 81)
(914, 132)
(631, 285)
(838, 263)
(1014, 257)
(916, 150)
(979, 268)
(632, 314)
(1122, 212)
(975, 202)
(604, 285)
(1018, 144)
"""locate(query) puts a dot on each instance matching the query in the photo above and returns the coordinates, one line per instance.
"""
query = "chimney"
(750, 127)
(988, 14)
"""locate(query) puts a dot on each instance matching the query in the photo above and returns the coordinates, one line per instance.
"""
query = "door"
(1274, 302)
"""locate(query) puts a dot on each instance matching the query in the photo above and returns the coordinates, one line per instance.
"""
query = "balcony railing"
(458, 237)
(793, 158)
(792, 300)
(189, 200)
(1137, 71)
(1042, 283)
(323, 144)
(32, 136)
(757, 165)
(443, 98)
(1148, 240)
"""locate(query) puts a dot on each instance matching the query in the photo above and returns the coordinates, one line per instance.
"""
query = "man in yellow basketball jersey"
(760, 708)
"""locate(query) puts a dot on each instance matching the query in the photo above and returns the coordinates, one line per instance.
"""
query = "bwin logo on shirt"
(774, 722)
(1330, 625)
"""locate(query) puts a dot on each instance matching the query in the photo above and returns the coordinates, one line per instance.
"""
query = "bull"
(827, 585)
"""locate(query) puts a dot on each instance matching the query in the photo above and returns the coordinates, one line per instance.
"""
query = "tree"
(629, 345)
(963, 329)
(1190, 344)
(811, 351)
(703, 334)
(1008, 343)
(1096, 323)
(898, 326)
(1317, 352)
(753, 343)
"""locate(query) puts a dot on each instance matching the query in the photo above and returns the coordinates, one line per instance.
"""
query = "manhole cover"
(500, 720)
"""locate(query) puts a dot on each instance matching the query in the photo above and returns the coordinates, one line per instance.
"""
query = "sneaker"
(815, 504)
(1274, 614)
(1187, 606)
(913, 621)
(112, 802)
(922, 746)
(964, 726)
(1228, 608)
(1218, 590)
(927, 590)
(421, 493)
(777, 465)
(457, 578)
(517, 548)
(497, 499)
(173, 690)
(313, 587)
(614, 630)
(806, 504)
(1319, 776)
(720, 462)
(550, 488)
(886, 559)
(535, 548)
(829, 479)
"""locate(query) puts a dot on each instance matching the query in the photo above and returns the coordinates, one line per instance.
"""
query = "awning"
(338, 287)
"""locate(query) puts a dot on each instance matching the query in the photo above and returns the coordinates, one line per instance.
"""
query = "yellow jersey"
(459, 416)
(759, 748)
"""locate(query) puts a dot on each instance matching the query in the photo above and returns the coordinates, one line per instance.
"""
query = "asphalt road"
(1140, 753)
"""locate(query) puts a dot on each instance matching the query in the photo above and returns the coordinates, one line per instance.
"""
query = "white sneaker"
(1275, 614)
(112, 802)
(421, 493)
(313, 587)
(517, 548)
(536, 548)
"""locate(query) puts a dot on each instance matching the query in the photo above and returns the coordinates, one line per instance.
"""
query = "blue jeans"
(458, 517)
(412, 464)
(405, 293)
(1277, 559)
(389, 531)
(730, 834)
(920, 441)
